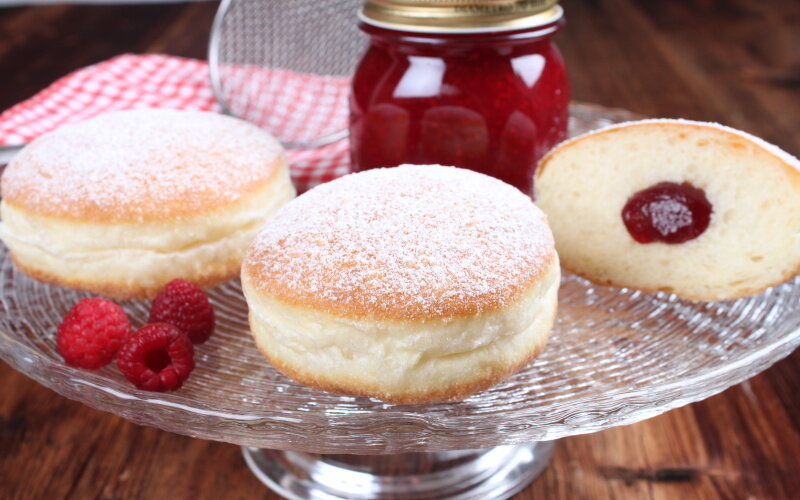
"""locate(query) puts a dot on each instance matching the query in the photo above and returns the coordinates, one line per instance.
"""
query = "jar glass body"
(490, 102)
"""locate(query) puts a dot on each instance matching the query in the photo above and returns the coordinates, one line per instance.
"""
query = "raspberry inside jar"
(490, 101)
(667, 212)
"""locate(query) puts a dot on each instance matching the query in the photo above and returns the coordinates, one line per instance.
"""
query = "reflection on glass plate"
(615, 357)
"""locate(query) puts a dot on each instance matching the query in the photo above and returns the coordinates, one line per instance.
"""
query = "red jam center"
(490, 103)
(667, 212)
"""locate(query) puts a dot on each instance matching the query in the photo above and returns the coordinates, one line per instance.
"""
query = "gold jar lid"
(460, 16)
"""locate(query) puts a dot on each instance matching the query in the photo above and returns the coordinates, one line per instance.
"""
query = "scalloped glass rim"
(616, 357)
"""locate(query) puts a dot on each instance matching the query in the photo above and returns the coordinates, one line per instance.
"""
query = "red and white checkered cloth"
(157, 81)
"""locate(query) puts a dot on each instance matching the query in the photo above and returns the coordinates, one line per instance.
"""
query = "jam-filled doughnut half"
(123, 203)
(697, 209)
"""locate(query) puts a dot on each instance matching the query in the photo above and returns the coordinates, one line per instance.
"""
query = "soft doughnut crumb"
(752, 240)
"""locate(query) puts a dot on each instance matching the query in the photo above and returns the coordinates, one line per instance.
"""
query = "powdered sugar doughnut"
(123, 203)
(410, 284)
(699, 209)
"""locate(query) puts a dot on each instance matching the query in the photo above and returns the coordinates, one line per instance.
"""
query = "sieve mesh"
(298, 38)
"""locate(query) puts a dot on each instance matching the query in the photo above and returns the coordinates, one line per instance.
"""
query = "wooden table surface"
(734, 61)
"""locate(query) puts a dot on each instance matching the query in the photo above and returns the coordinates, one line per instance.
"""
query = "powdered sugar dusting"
(771, 148)
(668, 216)
(140, 165)
(405, 242)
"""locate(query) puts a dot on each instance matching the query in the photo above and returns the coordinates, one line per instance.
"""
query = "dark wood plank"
(49, 42)
(738, 64)
(55, 448)
(735, 62)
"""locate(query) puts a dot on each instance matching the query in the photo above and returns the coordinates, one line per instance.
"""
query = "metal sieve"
(267, 57)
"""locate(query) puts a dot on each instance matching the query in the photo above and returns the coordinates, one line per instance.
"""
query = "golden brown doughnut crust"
(737, 141)
(452, 243)
(142, 165)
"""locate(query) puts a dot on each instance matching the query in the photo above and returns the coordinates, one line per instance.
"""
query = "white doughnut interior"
(752, 240)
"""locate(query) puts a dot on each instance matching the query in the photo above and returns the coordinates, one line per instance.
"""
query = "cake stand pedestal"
(615, 357)
(498, 472)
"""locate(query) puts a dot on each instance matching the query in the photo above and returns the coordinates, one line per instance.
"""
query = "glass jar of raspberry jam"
(474, 84)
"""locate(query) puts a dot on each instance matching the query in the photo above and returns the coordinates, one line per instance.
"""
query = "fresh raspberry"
(92, 333)
(158, 357)
(186, 306)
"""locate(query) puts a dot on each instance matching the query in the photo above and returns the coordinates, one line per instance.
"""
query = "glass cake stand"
(616, 357)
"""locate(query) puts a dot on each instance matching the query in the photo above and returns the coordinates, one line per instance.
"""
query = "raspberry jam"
(490, 102)
(667, 212)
